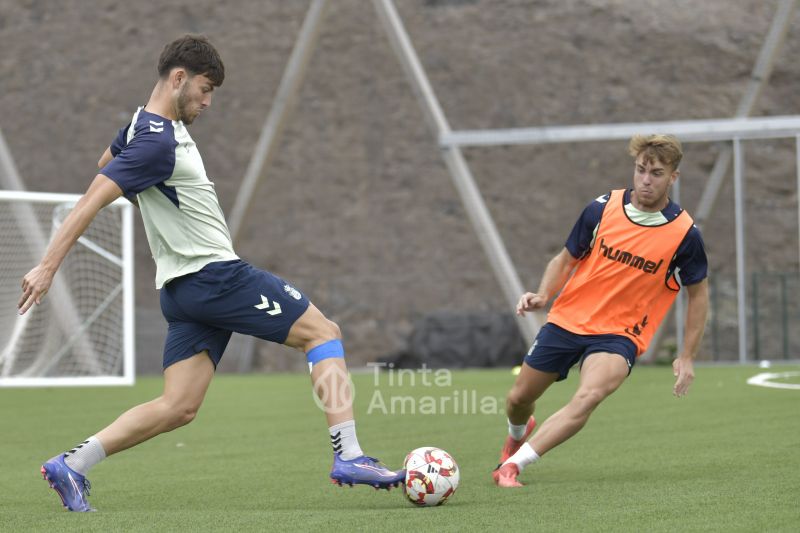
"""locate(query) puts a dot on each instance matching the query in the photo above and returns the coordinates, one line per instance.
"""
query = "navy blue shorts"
(557, 350)
(203, 308)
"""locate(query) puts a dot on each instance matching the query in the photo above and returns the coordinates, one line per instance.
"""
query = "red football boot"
(506, 476)
(511, 446)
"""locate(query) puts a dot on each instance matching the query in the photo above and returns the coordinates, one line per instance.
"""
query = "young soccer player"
(207, 291)
(617, 272)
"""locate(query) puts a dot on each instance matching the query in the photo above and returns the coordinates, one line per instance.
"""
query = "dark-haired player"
(207, 292)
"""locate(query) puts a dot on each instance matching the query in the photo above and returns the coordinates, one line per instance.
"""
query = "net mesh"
(77, 331)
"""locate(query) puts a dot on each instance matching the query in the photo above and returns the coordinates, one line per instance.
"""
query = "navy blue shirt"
(144, 159)
(156, 162)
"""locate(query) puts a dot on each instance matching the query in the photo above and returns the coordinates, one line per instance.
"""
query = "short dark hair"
(194, 53)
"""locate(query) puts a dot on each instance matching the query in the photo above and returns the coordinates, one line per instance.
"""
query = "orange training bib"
(622, 286)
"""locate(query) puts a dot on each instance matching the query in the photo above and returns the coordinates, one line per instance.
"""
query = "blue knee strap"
(325, 350)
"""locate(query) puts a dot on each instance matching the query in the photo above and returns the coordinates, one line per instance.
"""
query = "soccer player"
(206, 290)
(617, 278)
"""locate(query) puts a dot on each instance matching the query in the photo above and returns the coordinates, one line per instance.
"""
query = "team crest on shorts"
(294, 293)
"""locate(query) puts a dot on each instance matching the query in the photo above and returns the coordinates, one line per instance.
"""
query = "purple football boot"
(72, 487)
(364, 470)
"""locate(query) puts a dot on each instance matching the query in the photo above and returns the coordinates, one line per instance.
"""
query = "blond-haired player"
(617, 277)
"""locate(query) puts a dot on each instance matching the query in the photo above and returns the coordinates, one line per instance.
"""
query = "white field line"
(764, 380)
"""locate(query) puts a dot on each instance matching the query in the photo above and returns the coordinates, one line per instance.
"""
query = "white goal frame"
(126, 262)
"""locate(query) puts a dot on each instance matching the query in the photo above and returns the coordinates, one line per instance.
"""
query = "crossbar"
(686, 130)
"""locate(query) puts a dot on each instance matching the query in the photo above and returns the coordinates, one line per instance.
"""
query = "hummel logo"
(627, 258)
(336, 442)
(154, 128)
(266, 305)
(636, 329)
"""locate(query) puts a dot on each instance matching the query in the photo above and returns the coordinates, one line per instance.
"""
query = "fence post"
(756, 343)
(784, 317)
(714, 318)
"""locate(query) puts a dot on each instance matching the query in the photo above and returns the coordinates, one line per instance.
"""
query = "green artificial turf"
(724, 458)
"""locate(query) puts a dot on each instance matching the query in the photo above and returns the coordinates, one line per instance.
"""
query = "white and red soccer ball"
(432, 476)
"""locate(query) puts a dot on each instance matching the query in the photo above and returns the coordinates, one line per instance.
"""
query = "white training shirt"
(157, 163)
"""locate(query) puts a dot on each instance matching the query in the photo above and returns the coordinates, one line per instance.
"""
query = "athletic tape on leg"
(324, 351)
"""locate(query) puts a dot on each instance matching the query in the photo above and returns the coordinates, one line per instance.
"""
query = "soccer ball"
(432, 476)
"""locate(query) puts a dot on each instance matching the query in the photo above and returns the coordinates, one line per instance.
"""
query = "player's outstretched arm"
(35, 284)
(697, 310)
(555, 276)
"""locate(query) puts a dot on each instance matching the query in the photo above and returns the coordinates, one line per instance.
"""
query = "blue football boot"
(365, 470)
(72, 487)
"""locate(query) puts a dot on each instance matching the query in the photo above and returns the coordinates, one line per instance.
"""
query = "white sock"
(524, 456)
(516, 432)
(85, 455)
(344, 440)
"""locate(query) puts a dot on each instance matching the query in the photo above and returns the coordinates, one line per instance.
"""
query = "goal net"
(82, 333)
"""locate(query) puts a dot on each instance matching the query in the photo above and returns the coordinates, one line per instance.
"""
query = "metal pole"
(129, 327)
(279, 114)
(479, 215)
(767, 55)
(9, 176)
(704, 130)
(759, 77)
(713, 185)
(266, 146)
(784, 317)
(65, 312)
(797, 169)
(680, 316)
(714, 286)
(755, 316)
(738, 185)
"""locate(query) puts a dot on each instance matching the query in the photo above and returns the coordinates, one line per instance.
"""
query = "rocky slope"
(358, 208)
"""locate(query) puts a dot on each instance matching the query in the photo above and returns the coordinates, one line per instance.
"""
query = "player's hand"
(530, 302)
(683, 369)
(35, 285)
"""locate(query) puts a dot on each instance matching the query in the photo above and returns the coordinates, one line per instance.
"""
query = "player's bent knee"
(312, 329)
(183, 416)
(518, 398)
(179, 414)
(331, 331)
(523, 393)
(326, 331)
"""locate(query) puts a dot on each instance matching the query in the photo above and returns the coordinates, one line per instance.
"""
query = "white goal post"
(83, 332)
